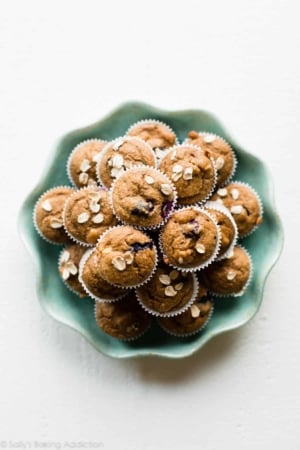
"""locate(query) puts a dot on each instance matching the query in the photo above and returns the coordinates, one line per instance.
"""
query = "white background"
(65, 64)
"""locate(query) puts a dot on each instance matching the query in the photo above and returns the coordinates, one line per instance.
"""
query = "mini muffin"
(229, 276)
(192, 173)
(244, 205)
(68, 267)
(143, 197)
(190, 239)
(127, 257)
(93, 284)
(191, 321)
(88, 214)
(228, 228)
(47, 215)
(122, 154)
(157, 134)
(124, 319)
(82, 162)
(215, 147)
(168, 292)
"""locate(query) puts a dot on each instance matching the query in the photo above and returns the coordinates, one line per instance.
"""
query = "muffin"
(191, 321)
(88, 214)
(191, 171)
(217, 148)
(68, 267)
(143, 197)
(227, 225)
(81, 166)
(124, 319)
(122, 154)
(47, 215)
(93, 284)
(157, 134)
(168, 292)
(190, 239)
(244, 205)
(127, 256)
(229, 276)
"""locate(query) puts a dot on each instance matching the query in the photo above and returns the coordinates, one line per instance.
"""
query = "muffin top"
(215, 147)
(244, 205)
(68, 267)
(124, 319)
(82, 162)
(88, 214)
(143, 197)
(191, 171)
(122, 154)
(127, 256)
(228, 276)
(92, 281)
(190, 239)
(227, 226)
(48, 214)
(168, 291)
(157, 134)
(190, 321)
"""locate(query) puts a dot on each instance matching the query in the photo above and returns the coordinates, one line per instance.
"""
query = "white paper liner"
(212, 257)
(155, 121)
(193, 333)
(260, 204)
(71, 236)
(133, 286)
(83, 261)
(176, 312)
(221, 208)
(75, 149)
(109, 146)
(240, 293)
(34, 214)
(209, 194)
(168, 181)
(234, 165)
(123, 339)
(65, 281)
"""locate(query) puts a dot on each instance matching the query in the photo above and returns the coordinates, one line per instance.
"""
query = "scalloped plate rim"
(37, 260)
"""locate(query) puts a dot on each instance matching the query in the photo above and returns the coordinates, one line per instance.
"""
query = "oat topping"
(236, 209)
(46, 205)
(174, 275)
(129, 257)
(222, 192)
(219, 162)
(231, 275)
(56, 223)
(166, 189)
(85, 165)
(178, 286)
(209, 138)
(83, 178)
(118, 144)
(148, 179)
(170, 291)
(65, 256)
(200, 248)
(235, 194)
(119, 263)
(177, 172)
(180, 260)
(188, 173)
(98, 218)
(195, 311)
(94, 206)
(83, 217)
(164, 279)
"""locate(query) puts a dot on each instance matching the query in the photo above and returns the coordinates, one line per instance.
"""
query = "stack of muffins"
(150, 228)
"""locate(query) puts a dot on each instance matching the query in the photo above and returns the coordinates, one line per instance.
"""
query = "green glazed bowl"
(230, 313)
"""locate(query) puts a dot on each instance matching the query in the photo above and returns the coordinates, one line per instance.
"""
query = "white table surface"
(65, 64)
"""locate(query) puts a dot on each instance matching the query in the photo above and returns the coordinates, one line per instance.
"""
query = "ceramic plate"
(264, 245)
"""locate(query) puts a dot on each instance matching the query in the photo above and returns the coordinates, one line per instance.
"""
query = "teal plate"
(230, 313)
